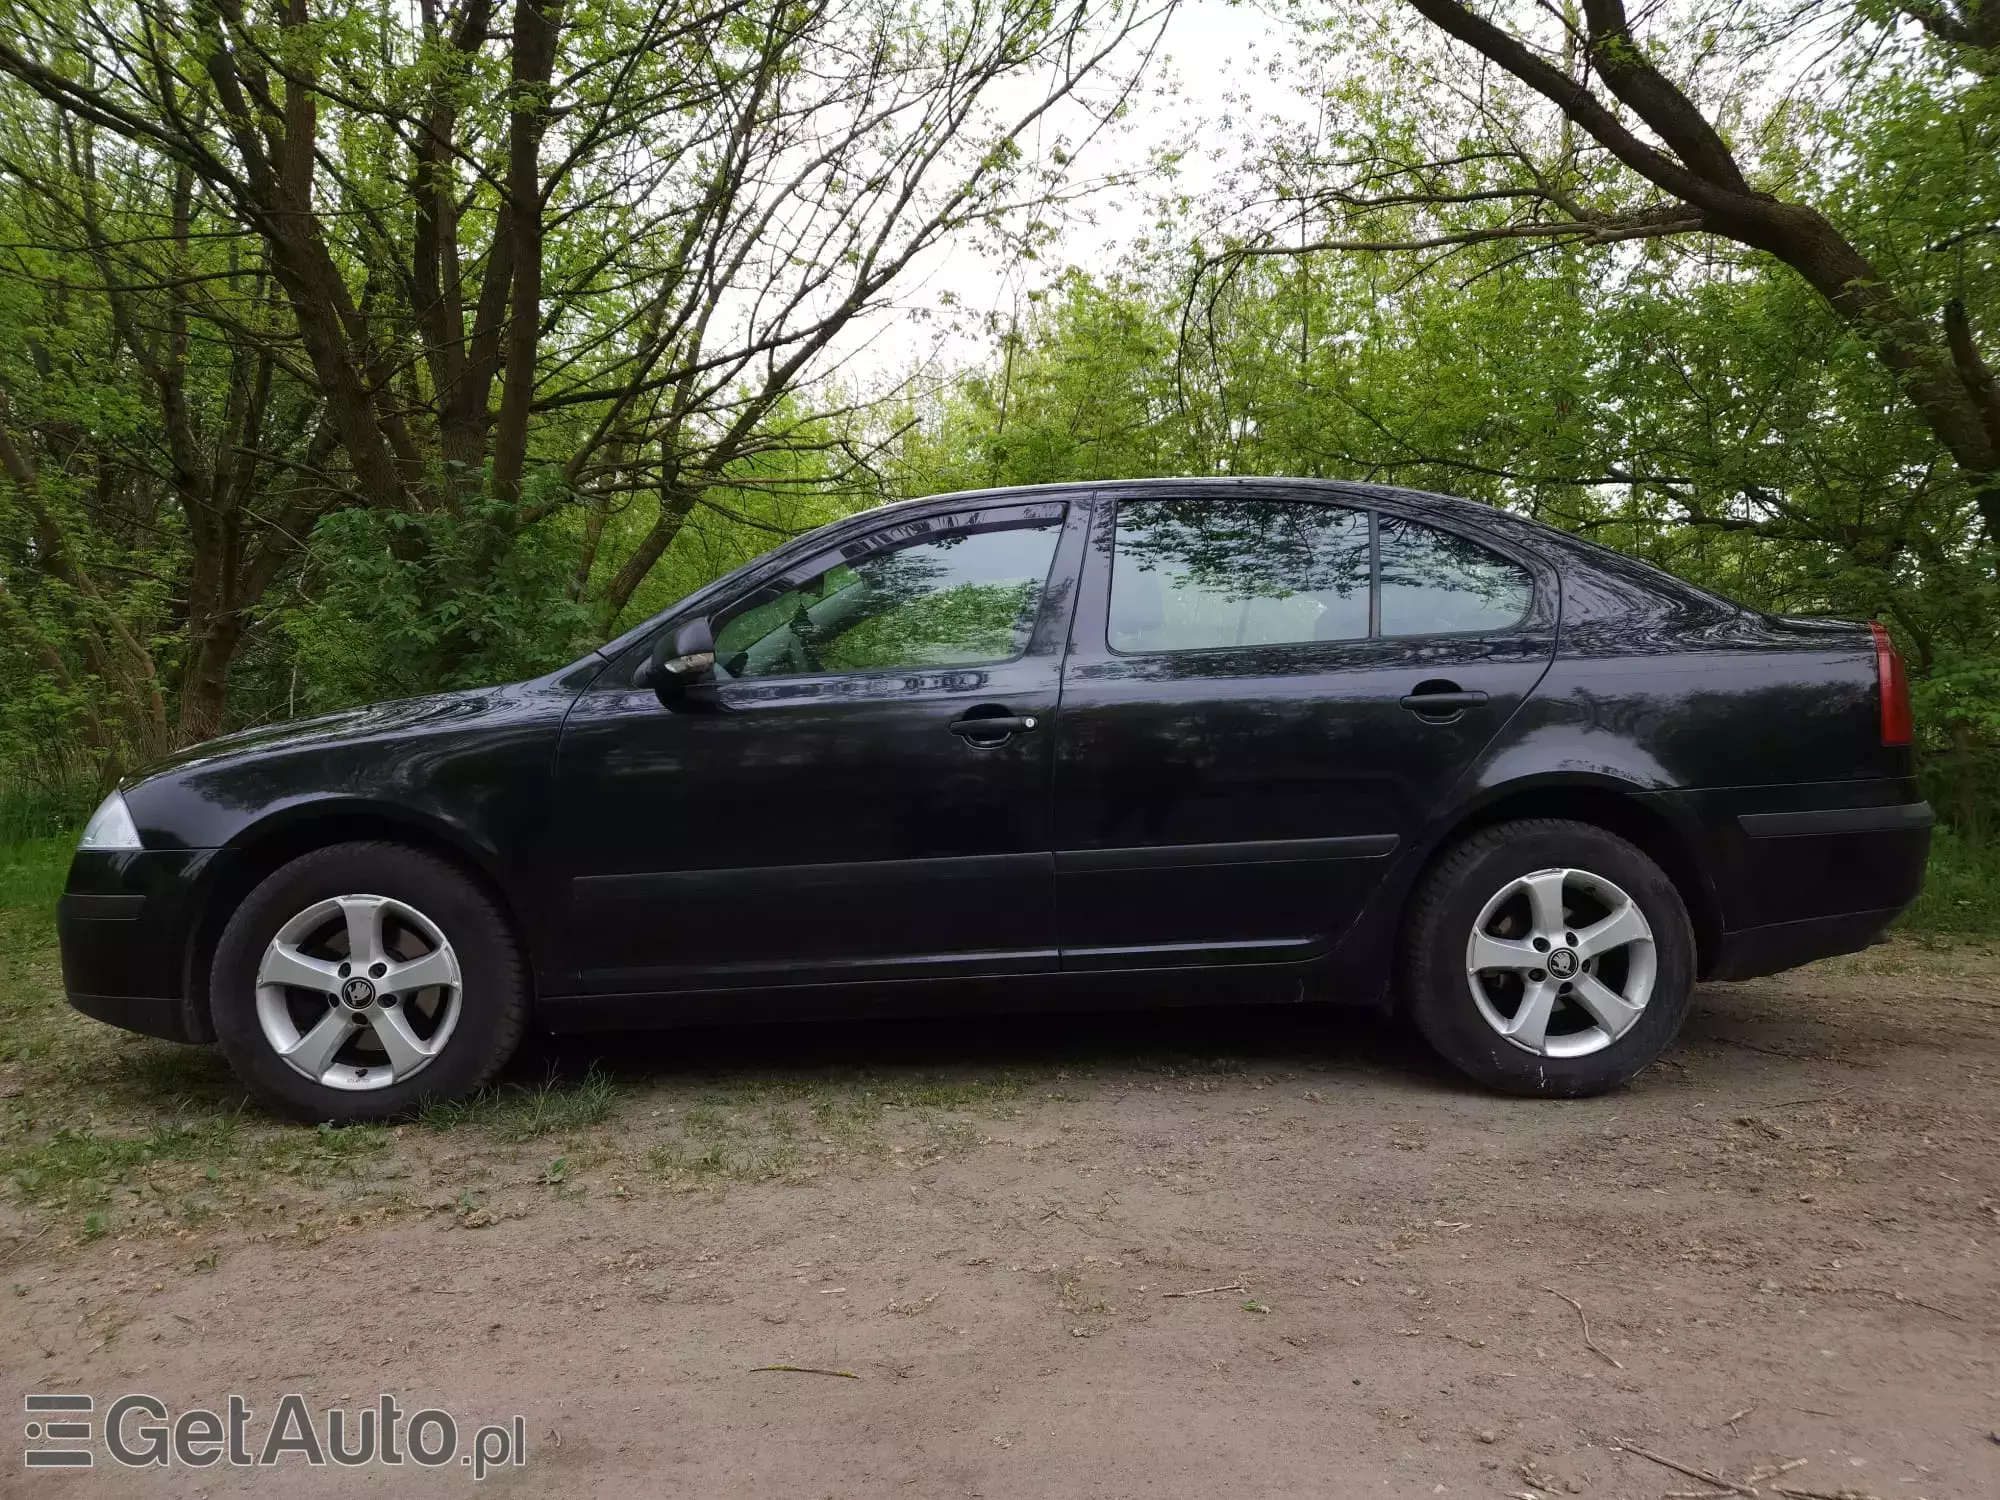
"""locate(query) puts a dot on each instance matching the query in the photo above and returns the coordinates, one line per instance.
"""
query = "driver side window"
(959, 599)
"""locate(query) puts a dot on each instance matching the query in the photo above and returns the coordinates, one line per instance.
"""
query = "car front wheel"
(1548, 957)
(362, 979)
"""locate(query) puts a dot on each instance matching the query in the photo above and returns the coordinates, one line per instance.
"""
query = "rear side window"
(1434, 582)
(1197, 574)
(1190, 575)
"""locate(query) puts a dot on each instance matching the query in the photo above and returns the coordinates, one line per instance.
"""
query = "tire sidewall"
(1439, 990)
(491, 1004)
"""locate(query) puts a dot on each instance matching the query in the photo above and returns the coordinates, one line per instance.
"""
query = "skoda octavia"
(1115, 743)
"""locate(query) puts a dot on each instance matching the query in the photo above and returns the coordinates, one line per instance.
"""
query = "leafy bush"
(46, 794)
(1961, 889)
(411, 603)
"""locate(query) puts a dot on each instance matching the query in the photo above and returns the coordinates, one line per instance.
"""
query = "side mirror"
(680, 661)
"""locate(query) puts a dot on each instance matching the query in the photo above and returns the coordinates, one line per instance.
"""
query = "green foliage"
(1961, 889)
(1086, 390)
(255, 459)
(970, 622)
(45, 794)
(407, 604)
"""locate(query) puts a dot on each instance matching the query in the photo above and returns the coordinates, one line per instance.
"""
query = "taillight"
(1894, 684)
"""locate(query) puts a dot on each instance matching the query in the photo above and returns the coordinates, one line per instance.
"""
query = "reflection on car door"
(863, 793)
(1262, 699)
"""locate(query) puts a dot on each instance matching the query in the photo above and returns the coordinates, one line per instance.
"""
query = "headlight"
(110, 827)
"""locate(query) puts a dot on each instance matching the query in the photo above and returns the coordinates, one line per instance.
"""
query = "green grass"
(521, 1112)
(325, 1145)
(72, 1167)
(108, 1134)
(1961, 890)
(31, 877)
(106, 1131)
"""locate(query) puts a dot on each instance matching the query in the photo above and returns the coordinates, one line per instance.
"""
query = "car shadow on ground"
(980, 1046)
(1079, 1043)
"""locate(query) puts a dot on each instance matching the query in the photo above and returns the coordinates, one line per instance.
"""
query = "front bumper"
(147, 1014)
(124, 924)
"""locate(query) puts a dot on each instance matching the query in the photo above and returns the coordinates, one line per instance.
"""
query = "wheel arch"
(1616, 807)
(265, 846)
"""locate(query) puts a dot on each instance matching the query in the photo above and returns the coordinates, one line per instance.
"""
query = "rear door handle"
(992, 730)
(1441, 704)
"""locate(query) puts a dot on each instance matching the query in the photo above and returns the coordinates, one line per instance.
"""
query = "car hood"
(349, 724)
(471, 760)
(433, 713)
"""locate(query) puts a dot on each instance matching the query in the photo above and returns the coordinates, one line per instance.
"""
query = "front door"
(1264, 698)
(863, 794)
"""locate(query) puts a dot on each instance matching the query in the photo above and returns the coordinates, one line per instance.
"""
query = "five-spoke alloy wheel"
(359, 992)
(1547, 957)
(1561, 962)
(361, 979)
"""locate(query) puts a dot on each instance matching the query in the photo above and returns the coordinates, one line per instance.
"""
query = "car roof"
(1457, 507)
(1219, 484)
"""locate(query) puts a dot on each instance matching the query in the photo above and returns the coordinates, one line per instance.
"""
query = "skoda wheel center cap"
(1562, 963)
(357, 993)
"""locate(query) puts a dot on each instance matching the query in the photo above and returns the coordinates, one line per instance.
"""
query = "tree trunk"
(677, 501)
(534, 59)
(205, 684)
(1966, 811)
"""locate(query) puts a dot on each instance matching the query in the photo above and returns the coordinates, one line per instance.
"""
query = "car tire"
(1529, 1002)
(332, 1048)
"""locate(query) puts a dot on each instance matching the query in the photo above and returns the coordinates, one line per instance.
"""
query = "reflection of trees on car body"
(944, 601)
(1194, 576)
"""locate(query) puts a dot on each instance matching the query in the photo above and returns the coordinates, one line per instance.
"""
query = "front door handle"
(1443, 702)
(993, 729)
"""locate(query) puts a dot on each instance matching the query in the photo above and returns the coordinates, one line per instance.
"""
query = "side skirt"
(1130, 989)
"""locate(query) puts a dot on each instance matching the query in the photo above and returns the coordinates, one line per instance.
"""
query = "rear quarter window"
(1436, 582)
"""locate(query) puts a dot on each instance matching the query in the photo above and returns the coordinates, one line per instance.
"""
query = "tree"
(499, 269)
(1553, 127)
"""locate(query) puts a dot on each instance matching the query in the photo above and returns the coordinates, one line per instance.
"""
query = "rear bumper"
(1786, 945)
(1804, 871)
(124, 924)
(1827, 880)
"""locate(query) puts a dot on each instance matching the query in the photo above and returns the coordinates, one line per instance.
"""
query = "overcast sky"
(1212, 58)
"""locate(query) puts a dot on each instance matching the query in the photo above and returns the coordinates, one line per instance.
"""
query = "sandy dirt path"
(1783, 1240)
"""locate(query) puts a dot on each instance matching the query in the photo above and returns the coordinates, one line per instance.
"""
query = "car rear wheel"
(362, 979)
(1548, 957)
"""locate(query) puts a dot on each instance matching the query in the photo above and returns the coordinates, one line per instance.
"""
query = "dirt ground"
(1222, 1252)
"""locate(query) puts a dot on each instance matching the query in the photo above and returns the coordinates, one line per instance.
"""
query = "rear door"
(1264, 697)
(864, 792)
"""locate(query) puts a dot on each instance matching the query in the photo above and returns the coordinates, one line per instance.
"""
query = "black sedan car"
(1084, 745)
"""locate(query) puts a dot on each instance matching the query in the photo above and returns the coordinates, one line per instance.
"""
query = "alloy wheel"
(1561, 962)
(358, 992)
